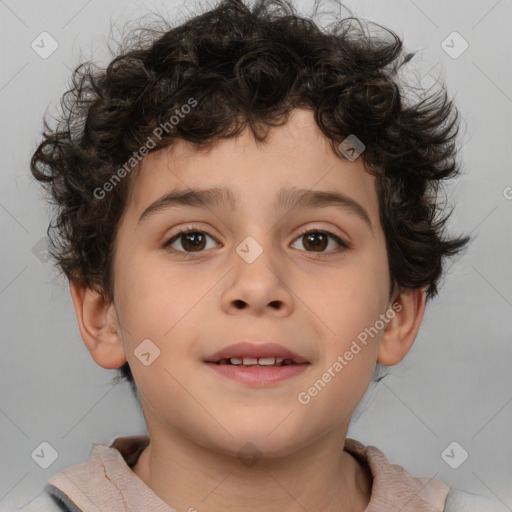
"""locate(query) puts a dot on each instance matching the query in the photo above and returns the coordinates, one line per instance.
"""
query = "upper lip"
(248, 349)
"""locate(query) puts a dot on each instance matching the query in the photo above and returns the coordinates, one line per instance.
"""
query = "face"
(192, 295)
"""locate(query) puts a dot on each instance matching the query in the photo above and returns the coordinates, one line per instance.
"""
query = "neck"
(187, 476)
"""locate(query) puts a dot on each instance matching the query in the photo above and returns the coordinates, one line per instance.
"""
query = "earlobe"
(402, 329)
(98, 326)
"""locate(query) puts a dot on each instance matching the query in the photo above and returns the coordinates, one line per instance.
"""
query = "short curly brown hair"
(249, 67)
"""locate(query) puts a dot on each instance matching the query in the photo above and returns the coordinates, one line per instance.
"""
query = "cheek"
(165, 306)
(350, 312)
(155, 295)
(333, 396)
(349, 356)
(351, 300)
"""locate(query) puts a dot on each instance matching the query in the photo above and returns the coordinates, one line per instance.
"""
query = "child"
(241, 200)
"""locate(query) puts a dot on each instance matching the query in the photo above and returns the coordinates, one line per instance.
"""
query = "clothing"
(106, 483)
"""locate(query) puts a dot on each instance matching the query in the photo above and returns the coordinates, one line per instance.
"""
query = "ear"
(401, 330)
(98, 326)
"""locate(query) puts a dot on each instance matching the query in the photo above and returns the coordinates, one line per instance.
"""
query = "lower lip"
(258, 375)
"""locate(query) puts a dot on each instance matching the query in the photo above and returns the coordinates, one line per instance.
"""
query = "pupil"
(310, 239)
(193, 236)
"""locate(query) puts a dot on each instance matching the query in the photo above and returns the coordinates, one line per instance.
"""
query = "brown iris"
(197, 240)
(317, 240)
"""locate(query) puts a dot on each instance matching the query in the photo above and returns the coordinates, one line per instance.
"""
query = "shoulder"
(49, 500)
(462, 501)
(44, 502)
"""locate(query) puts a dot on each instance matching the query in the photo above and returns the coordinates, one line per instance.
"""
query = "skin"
(189, 308)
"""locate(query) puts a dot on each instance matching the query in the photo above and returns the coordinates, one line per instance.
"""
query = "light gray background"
(455, 384)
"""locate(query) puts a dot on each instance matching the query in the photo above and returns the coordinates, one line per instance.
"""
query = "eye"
(318, 240)
(191, 240)
(194, 240)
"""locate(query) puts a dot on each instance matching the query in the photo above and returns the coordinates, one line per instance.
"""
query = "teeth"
(265, 360)
(262, 361)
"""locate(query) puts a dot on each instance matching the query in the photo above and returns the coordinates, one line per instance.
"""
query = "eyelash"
(193, 229)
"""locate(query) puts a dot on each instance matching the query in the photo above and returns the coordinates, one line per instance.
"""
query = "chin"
(261, 441)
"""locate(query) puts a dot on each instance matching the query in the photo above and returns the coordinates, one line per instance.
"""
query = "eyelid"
(314, 226)
(184, 230)
(341, 240)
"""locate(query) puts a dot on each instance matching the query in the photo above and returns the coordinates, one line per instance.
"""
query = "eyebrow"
(287, 198)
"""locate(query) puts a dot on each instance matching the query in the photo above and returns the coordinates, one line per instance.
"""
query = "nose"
(257, 285)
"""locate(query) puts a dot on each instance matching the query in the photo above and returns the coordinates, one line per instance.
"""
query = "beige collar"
(106, 482)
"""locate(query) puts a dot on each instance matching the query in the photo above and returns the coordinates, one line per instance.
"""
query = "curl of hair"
(248, 68)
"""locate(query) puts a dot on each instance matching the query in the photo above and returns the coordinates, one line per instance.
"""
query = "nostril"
(240, 304)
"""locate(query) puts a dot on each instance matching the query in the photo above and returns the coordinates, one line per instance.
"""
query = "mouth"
(246, 353)
(257, 364)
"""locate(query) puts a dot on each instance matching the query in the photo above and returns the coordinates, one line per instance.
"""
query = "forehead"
(295, 157)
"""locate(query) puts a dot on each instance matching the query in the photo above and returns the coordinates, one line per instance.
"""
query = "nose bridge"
(257, 280)
(255, 261)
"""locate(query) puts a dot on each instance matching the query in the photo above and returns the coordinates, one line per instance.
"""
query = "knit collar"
(106, 482)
